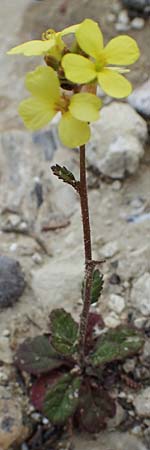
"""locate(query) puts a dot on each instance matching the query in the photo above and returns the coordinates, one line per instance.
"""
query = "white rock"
(110, 249)
(142, 403)
(140, 99)
(117, 142)
(129, 365)
(112, 320)
(137, 23)
(122, 157)
(5, 351)
(120, 26)
(123, 16)
(134, 263)
(116, 186)
(111, 18)
(37, 258)
(58, 283)
(140, 294)
(116, 303)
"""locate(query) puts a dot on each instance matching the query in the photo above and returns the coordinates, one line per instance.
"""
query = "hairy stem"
(88, 251)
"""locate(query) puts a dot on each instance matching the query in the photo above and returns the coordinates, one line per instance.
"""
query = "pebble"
(140, 294)
(37, 258)
(13, 247)
(116, 186)
(111, 18)
(123, 17)
(109, 250)
(137, 23)
(12, 281)
(122, 26)
(140, 99)
(116, 303)
(142, 403)
(5, 351)
(112, 320)
(129, 365)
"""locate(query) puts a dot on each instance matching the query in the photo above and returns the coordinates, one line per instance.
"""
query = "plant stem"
(88, 252)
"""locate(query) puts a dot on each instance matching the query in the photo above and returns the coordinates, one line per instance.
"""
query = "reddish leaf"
(37, 356)
(94, 321)
(95, 407)
(40, 386)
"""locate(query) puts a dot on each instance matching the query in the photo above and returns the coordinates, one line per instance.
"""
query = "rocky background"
(41, 255)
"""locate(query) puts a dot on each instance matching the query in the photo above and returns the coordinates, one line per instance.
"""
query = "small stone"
(139, 322)
(116, 186)
(37, 258)
(136, 430)
(5, 351)
(129, 365)
(111, 18)
(142, 403)
(13, 247)
(140, 99)
(123, 17)
(109, 250)
(112, 320)
(6, 333)
(146, 351)
(137, 23)
(12, 282)
(122, 26)
(116, 303)
(140, 294)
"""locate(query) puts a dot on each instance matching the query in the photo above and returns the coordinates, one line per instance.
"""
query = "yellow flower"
(121, 50)
(51, 44)
(77, 110)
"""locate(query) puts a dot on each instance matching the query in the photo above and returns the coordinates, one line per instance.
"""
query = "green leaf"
(65, 175)
(62, 399)
(64, 331)
(37, 356)
(116, 344)
(97, 286)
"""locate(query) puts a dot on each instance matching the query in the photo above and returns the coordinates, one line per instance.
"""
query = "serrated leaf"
(40, 386)
(64, 174)
(37, 356)
(94, 408)
(64, 331)
(62, 399)
(116, 344)
(97, 286)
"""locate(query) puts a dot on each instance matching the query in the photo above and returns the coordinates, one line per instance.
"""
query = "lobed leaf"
(37, 356)
(97, 286)
(64, 331)
(116, 344)
(65, 175)
(62, 399)
(40, 386)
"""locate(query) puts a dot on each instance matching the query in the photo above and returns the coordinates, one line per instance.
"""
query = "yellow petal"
(85, 107)
(43, 83)
(33, 48)
(114, 84)
(78, 69)
(90, 38)
(68, 30)
(122, 50)
(36, 113)
(73, 132)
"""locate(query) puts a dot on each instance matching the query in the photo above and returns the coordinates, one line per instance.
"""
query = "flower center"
(100, 63)
(62, 104)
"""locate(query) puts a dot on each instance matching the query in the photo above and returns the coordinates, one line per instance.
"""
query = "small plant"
(72, 363)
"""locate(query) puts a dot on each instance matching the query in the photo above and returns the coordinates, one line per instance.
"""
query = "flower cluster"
(79, 68)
